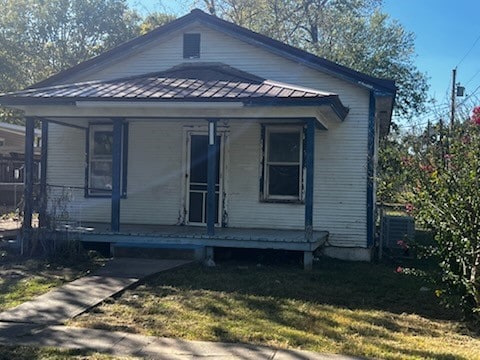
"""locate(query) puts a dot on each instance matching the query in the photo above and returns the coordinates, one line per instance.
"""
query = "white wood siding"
(154, 173)
(155, 149)
(66, 177)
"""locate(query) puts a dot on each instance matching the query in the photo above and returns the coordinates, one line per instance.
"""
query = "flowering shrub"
(445, 197)
(476, 116)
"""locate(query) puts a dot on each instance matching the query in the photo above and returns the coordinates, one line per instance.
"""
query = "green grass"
(341, 307)
(31, 353)
(23, 279)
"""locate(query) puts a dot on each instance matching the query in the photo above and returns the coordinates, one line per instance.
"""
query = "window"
(191, 46)
(2, 142)
(99, 178)
(283, 163)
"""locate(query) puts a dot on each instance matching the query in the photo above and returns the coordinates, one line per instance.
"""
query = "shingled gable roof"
(199, 82)
(383, 86)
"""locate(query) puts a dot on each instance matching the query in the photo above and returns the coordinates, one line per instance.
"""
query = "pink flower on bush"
(475, 118)
(427, 168)
(407, 161)
(409, 208)
(399, 270)
(403, 244)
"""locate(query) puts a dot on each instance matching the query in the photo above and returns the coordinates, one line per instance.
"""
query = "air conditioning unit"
(396, 231)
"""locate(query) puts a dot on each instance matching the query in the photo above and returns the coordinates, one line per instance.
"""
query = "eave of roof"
(187, 83)
(380, 85)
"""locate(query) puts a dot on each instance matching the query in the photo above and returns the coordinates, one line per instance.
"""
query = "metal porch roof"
(186, 83)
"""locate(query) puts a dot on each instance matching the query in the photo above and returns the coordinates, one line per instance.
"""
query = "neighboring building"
(243, 140)
(12, 158)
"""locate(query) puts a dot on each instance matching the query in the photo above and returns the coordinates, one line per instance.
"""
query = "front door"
(197, 179)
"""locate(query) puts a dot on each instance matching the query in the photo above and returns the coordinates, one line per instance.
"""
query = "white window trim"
(282, 129)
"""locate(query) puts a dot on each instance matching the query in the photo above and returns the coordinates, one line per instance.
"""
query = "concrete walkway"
(125, 344)
(76, 297)
(36, 323)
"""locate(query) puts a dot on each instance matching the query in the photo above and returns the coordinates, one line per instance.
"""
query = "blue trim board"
(150, 245)
(370, 171)
(116, 173)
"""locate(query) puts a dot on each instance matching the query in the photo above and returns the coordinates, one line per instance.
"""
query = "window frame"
(102, 127)
(267, 131)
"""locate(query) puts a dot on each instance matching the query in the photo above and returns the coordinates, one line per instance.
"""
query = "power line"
(469, 51)
(474, 75)
(470, 95)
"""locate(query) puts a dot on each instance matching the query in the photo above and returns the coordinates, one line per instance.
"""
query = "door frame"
(188, 132)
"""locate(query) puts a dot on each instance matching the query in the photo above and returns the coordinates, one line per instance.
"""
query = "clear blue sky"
(445, 32)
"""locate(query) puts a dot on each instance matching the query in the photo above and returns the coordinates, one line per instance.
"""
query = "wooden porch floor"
(194, 235)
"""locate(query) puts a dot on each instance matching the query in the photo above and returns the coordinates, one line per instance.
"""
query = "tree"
(155, 20)
(44, 37)
(354, 33)
(445, 198)
(39, 38)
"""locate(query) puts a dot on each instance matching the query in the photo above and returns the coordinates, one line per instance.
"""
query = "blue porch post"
(116, 173)
(28, 175)
(42, 216)
(309, 165)
(211, 175)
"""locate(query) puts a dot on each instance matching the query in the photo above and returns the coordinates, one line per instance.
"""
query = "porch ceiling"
(199, 85)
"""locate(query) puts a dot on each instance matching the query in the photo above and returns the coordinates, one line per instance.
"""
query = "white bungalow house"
(204, 134)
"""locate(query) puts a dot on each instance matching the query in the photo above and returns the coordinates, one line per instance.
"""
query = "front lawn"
(340, 307)
(23, 279)
(29, 353)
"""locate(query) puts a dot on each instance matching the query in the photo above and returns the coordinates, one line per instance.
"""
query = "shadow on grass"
(351, 285)
(32, 353)
(352, 308)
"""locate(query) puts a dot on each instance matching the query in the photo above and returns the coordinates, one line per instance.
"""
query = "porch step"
(158, 251)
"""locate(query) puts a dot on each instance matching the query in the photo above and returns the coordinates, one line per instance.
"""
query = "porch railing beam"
(211, 175)
(310, 168)
(28, 188)
(116, 173)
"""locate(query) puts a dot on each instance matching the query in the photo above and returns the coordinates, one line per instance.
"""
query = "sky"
(447, 36)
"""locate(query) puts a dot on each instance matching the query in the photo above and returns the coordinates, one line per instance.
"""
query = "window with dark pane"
(100, 160)
(283, 163)
(191, 46)
(284, 147)
(102, 143)
(284, 180)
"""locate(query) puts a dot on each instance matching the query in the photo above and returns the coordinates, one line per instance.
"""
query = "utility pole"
(452, 110)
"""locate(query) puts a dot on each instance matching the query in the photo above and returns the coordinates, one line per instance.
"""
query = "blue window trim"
(124, 161)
